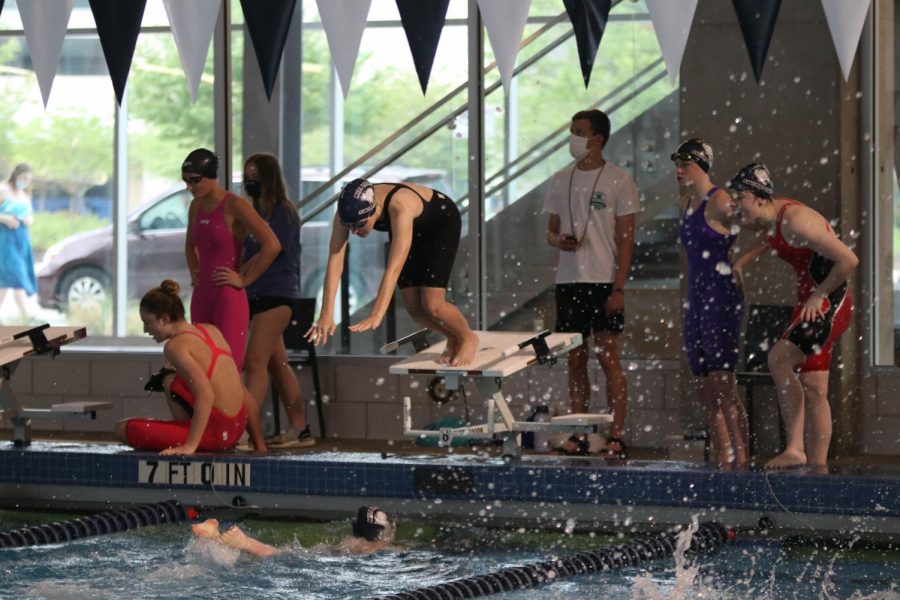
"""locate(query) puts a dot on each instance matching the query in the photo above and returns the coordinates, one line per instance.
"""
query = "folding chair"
(765, 325)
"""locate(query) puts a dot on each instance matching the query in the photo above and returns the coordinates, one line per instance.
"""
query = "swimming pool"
(167, 562)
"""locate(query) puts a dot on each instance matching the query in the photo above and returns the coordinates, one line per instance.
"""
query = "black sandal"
(582, 446)
(610, 453)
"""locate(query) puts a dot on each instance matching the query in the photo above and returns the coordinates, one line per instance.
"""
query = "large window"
(885, 169)
(70, 147)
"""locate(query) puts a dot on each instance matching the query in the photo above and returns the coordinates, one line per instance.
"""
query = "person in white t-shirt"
(592, 207)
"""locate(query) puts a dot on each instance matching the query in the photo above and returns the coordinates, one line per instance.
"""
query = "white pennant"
(45, 22)
(505, 22)
(193, 23)
(845, 20)
(672, 21)
(344, 22)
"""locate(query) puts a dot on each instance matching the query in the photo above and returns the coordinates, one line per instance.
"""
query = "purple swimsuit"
(715, 305)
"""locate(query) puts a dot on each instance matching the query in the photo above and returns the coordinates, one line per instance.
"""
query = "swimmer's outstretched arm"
(319, 332)
(402, 223)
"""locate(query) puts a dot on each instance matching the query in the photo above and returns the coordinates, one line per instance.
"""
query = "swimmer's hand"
(178, 450)
(371, 322)
(737, 273)
(812, 308)
(320, 331)
(226, 276)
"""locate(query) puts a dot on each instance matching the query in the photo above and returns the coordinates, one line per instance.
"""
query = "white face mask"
(578, 146)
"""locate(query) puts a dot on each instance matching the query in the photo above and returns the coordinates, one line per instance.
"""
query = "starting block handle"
(419, 341)
(37, 337)
(541, 350)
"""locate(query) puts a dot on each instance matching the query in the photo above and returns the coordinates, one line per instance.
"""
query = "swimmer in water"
(372, 532)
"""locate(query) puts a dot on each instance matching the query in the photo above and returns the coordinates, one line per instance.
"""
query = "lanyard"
(587, 221)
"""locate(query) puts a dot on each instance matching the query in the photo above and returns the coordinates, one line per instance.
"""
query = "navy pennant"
(268, 24)
(589, 19)
(423, 21)
(757, 21)
(1, 6)
(118, 24)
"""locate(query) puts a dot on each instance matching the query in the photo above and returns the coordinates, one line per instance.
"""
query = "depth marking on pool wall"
(175, 472)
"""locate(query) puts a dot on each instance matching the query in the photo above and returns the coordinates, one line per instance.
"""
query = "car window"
(169, 213)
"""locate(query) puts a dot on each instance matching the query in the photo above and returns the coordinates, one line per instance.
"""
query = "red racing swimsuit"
(814, 338)
(222, 432)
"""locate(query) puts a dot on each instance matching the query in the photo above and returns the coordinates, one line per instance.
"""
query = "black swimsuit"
(435, 239)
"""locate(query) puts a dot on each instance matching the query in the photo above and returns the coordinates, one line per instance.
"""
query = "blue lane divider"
(114, 521)
(708, 537)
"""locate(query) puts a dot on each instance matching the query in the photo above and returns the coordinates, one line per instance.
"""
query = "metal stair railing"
(609, 101)
(403, 150)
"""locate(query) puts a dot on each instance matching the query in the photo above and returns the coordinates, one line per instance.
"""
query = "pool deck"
(536, 491)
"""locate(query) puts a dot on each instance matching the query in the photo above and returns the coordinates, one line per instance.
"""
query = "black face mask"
(253, 189)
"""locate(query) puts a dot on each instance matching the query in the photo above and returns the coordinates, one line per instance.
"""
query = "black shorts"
(261, 304)
(581, 307)
(433, 248)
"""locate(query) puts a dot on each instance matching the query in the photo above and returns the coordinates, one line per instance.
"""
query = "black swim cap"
(356, 202)
(695, 150)
(371, 524)
(202, 162)
(755, 179)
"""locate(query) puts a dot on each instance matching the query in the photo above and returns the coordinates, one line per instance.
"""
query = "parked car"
(78, 269)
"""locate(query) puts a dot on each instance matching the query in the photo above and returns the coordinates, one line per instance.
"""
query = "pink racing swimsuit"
(222, 305)
(222, 432)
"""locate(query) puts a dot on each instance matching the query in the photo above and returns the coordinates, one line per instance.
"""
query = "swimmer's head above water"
(372, 524)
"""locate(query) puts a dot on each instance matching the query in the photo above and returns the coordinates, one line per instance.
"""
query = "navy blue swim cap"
(356, 203)
(695, 150)
(202, 162)
(371, 524)
(755, 179)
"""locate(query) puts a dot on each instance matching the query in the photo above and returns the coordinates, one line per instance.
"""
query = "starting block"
(500, 354)
(19, 342)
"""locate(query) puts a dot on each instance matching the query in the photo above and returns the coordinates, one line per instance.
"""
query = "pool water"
(168, 562)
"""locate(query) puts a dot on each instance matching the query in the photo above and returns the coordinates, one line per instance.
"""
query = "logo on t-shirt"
(598, 200)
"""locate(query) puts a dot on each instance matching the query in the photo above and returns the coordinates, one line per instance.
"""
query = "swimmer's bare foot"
(787, 460)
(465, 354)
(449, 351)
(207, 529)
(236, 538)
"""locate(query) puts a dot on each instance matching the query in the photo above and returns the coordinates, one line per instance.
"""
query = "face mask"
(253, 189)
(578, 146)
(21, 184)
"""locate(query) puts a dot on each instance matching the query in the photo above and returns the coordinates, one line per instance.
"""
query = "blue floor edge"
(859, 492)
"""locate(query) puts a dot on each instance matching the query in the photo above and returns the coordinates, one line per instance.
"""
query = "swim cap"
(202, 162)
(755, 179)
(356, 202)
(371, 524)
(697, 151)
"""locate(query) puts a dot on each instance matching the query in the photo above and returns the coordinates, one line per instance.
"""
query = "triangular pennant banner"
(589, 19)
(423, 22)
(44, 22)
(344, 22)
(757, 21)
(118, 25)
(672, 21)
(192, 25)
(846, 20)
(268, 24)
(505, 22)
